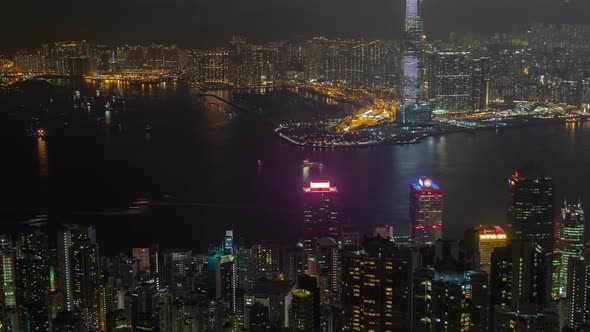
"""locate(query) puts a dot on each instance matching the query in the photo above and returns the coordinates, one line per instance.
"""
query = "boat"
(308, 163)
(259, 162)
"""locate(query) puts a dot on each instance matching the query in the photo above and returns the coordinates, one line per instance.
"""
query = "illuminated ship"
(308, 163)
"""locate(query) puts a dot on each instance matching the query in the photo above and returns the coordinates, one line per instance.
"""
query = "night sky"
(199, 23)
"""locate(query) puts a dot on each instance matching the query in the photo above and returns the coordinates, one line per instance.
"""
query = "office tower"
(519, 282)
(449, 299)
(156, 270)
(480, 83)
(426, 205)
(64, 243)
(294, 262)
(222, 274)
(384, 231)
(142, 255)
(531, 209)
(142, 307)
(268, 259)
(450, 81)
(9, 317)
(570, 237)
(376, 285)
(310, 285)
(328, 261)
(411, 50)
(246, 268)
(320, 213)
(85, 280)
(480, 242)
(577, 313)
(301, 311)
(32, 280)
(228, 242)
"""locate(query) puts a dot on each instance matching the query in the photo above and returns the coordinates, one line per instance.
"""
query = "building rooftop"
(424, 183)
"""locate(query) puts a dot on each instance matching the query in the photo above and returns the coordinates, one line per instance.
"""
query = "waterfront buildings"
(450, 81)
(426, 212)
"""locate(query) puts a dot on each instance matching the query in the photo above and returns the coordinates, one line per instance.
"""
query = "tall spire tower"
(411, 51)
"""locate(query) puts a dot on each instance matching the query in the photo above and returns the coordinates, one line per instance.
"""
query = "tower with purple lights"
(411, 52)
(426, 212)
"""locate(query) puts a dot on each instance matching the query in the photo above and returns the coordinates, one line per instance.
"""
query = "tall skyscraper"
(32, 281)
(426, 207)
(531, 210)
(376, 285)
(450, 81)
(301, 315)
(570, 237)
(449, 299)
(222, 270)
(9, 317)
(577, 313)
(268, 259)
(320, 213)
(519, 284)
(142, 255)
(412, 51)
(480, 83)
(85, 281)
(481, 242)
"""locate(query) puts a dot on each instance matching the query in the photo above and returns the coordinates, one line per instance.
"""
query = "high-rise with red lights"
(320, 213)
(426, 207)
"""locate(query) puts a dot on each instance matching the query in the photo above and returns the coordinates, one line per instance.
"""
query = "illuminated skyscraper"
(577, 313)
(480, 83)
(531, 210)
(483, 240)
(301, 315)
(450, 85)
(426, 205)
(519, 283)
(570, 234)
(411, 51)
(320, 213)
(449, 299)
(142, 255)
(376, 289)
(9, 318)
(32, 281)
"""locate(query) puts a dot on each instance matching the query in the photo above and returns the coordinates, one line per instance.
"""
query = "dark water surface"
(208, 164)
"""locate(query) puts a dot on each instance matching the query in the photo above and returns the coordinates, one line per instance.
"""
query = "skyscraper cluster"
(531, 274)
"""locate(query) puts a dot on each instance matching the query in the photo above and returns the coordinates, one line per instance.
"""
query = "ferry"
(308, 163)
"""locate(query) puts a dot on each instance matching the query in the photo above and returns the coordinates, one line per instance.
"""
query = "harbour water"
(200, 170)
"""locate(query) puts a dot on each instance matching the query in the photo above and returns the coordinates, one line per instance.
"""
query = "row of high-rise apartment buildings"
(466, 74)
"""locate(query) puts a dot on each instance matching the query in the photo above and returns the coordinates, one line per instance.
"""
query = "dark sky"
(200, 23)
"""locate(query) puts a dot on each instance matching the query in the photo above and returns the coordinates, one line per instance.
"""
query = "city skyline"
(212, 23)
